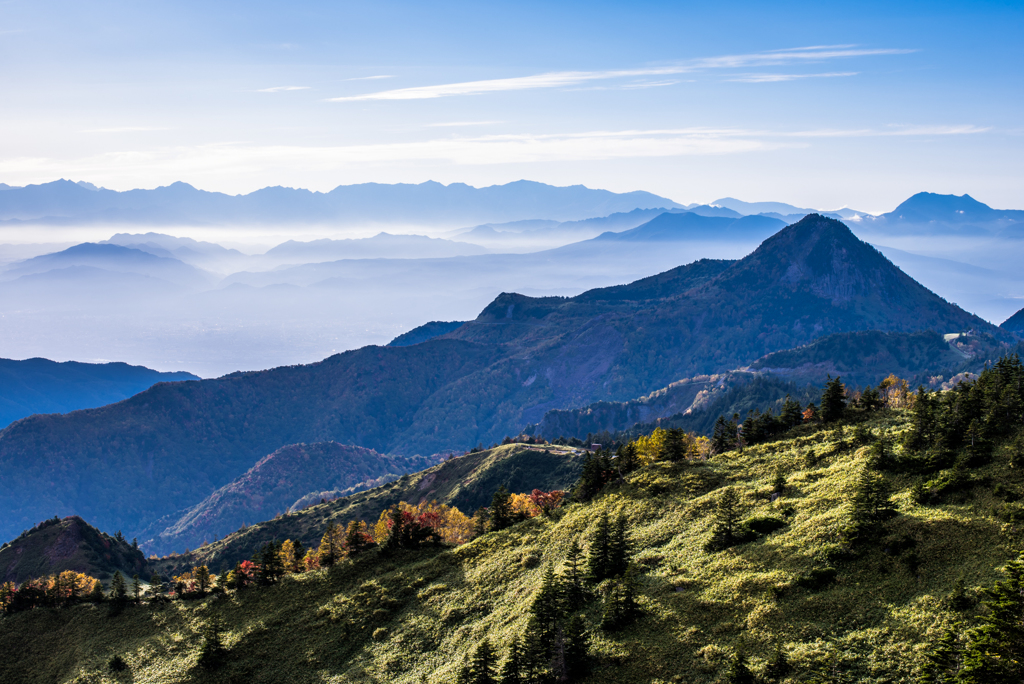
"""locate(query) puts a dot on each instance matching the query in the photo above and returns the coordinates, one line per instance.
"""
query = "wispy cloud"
(558, 79)
(480, 150)
(281, 89)
(889, 131)
(456, 124)
(778, 78)
(650, 84)
(126, 129)
(370, 78)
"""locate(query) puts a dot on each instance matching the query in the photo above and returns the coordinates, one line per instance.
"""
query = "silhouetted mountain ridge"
(66, 202)
(521, 357)
(44, 386)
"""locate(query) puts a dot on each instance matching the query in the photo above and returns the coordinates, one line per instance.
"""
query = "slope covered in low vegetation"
(846, 551)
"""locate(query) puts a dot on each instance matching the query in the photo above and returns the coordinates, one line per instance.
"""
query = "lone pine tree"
(833, 400)
(726, 530)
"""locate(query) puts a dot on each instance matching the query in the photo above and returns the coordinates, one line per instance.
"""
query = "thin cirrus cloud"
(126, 129)
(281, 89)
(482, 150)
(370, 78)
(456, 124)
(557, 79)
(779, 78)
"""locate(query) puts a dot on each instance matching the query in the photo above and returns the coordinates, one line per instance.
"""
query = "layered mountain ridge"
(490, 377)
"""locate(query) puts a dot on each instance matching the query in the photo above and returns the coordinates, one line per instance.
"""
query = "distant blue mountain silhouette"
(43, 386)
(672, 226)
(110, 257)
(430, 203)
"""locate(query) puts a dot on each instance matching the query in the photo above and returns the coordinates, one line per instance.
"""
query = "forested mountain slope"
(44, 386)
(126, 465)
(466, 482)
(487, 379)
(274, 485)
(857, 550)
(56, 545)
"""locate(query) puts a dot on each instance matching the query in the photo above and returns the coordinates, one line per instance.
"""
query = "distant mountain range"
(64, 202)
(929, 213)
(380, 246)
(175, 444)
(115, 258)
(672, 226)
(42, 386)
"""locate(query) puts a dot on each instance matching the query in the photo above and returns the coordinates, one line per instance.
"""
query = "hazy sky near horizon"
(817, 104)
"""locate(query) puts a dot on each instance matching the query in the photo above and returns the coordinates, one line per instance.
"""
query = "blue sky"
(817, 104)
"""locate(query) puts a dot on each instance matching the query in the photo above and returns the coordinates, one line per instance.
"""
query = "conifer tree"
(995, 651)
(778, 667)
(620, 607)
(292, 553)
(356, 537)
(118, 593)
(574, 594)
(674, 446)
(599, 554)
(727, 521)
(626, 458)
(501, 510)
(212, 652)
(833, 400)
(513, 669)
(870, 399)
(546, 608)
(156, 584)
(481, 666)
(592, 478)
(871, 506)
(944, 660)
(271, 564)
(480, 522)
(570, 656)
(95, 596)
(618, 548)
(723, 436)
(136, 589)
(537, 645)
(396, 531)
(739, 672)
(792, 414)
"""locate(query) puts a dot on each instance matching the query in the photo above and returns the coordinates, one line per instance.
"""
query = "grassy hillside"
(863, 614)
(466, 482)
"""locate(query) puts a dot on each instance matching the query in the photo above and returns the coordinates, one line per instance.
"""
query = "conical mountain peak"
(821, 255)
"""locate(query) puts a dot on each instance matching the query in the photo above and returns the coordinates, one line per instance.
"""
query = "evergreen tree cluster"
(993, 651)
(965, 421)
(758, 427)
(598, 471)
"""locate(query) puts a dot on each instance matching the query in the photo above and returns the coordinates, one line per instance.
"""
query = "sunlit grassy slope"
(414, 617)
